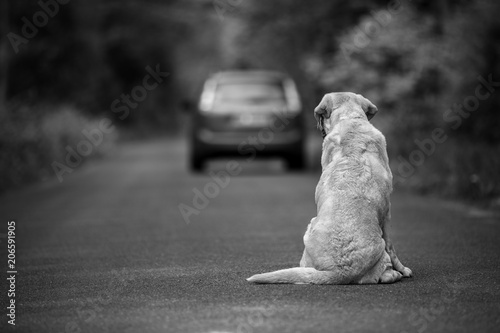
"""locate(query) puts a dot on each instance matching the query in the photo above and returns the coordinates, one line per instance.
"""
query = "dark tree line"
(87, 53)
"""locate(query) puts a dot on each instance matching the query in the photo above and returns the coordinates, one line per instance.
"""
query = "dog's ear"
(328, 104)
(320, 114)
(368, 107)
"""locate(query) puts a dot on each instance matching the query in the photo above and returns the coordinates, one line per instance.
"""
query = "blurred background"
(119, 229)
(63, 64)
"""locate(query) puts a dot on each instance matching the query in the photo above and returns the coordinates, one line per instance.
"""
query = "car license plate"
(252, 120)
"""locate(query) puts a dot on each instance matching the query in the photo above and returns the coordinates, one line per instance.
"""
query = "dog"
(347, 242)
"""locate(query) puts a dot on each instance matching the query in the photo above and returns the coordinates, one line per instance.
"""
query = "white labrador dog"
(347, 242)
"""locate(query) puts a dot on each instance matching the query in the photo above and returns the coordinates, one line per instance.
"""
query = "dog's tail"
(299, 275)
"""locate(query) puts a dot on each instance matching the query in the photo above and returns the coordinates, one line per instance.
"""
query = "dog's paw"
(407, 272)
(390, 276)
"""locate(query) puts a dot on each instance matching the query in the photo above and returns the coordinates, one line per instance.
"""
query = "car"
(248, 114)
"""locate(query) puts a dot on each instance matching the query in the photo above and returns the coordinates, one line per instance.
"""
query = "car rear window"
(249, 93)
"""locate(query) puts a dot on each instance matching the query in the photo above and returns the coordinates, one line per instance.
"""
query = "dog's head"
(342, 105)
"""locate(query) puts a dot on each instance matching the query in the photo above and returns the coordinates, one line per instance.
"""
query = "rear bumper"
(236, 138)
(264, 142)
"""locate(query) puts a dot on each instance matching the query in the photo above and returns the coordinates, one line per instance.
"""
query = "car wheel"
(296, 162)
(196, 160)
(196, 163)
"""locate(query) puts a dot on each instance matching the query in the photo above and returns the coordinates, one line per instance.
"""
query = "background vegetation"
(414, 59)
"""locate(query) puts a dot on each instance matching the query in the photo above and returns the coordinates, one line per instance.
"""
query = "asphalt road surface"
(107, 250)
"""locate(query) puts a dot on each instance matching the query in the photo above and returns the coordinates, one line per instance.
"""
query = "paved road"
(107, 250)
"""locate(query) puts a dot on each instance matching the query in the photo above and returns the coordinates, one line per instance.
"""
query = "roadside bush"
(415, 75)
(457, 168)
(33, 137)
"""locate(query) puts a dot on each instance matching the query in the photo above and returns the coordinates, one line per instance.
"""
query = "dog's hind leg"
(394, 258)
(306, 260)
(389, 274)
(389, 248)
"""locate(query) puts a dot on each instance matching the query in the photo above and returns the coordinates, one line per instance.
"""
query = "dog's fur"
(347, 242)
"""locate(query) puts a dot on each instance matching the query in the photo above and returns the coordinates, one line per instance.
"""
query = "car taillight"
(292, 96)
(207, 97)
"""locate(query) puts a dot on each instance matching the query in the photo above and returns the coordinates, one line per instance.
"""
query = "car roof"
(248, 76)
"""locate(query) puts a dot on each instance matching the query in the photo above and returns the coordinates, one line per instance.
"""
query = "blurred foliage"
(91, 52)
(414, 59)
(63, 77)
(33, 138)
